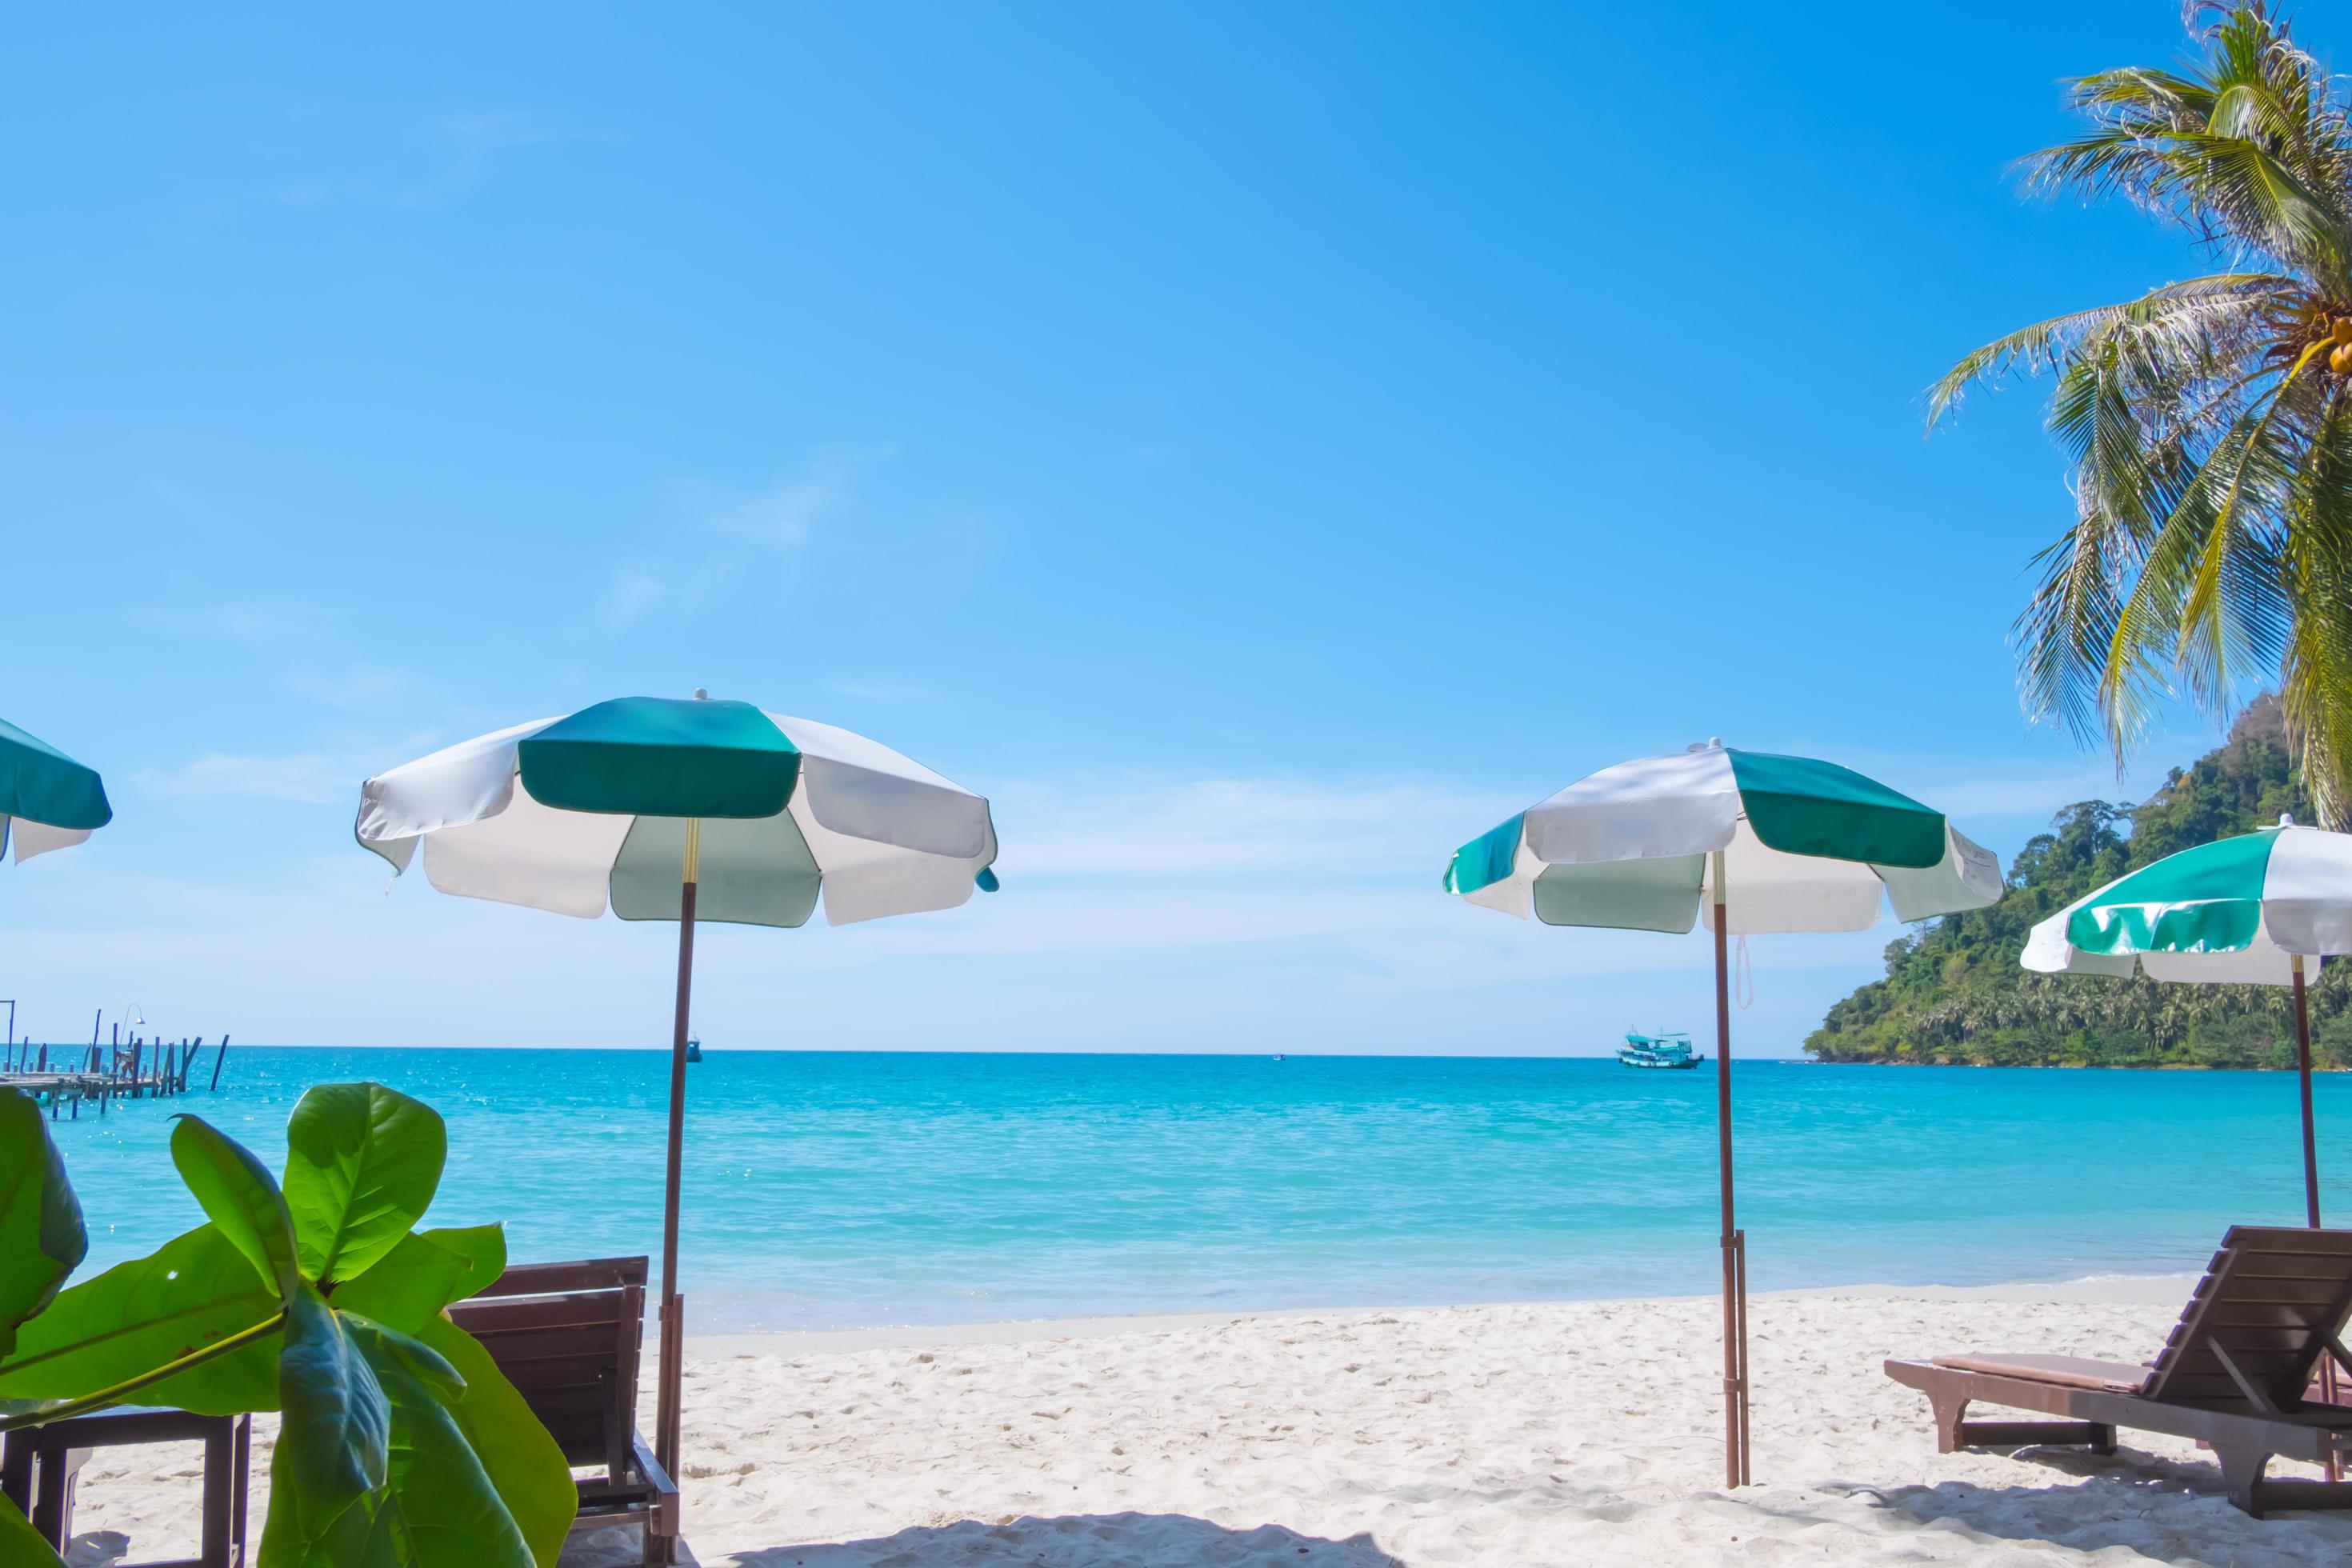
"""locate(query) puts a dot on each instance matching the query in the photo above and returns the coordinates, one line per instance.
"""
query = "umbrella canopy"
(588, 812)
(1757, 842)
(2237, 910)
(1805, 845)
(668, 810)
(48, 801)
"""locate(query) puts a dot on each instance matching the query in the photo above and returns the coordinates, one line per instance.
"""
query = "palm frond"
(2206, 423)
(2248, 149)
(2177, 318)
(2199, 603)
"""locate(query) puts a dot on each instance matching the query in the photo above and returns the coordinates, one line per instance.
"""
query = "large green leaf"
(422, 1274)
(194, 1290)
(336, 1420)
(361, 1163)
(238, 1196)
(482, 1247)
(20, 1546)
(437, 1507)
(522, 1461)
(41, 1235)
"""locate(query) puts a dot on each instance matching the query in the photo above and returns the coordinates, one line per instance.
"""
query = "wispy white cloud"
(183, 500)
(885, 690)
(424, 159)
(630, 592)
(318, 776)
(263, 621)
(470, 140)
(367, 686)
(1223, 827)
(783, 512)
(307, 777)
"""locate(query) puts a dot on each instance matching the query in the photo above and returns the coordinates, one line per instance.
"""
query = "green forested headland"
(1954, 992)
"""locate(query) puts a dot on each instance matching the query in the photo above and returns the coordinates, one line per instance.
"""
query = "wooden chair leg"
(49, 1496)
(241, 1472)
(1950, 1410)
(213, 1553)
(17, 1470)
(2241, 1475)
(2102, 1438)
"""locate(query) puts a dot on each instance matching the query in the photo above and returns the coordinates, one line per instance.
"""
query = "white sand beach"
(1565, 1433)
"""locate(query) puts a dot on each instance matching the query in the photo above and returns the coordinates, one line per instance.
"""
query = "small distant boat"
(1658, 1051)
(1277, 1056)
(694, 1049)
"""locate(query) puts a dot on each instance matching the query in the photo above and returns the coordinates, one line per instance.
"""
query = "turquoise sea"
(835, 1190)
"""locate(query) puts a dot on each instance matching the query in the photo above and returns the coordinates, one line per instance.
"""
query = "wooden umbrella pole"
(1735, 1292)
(2327, 1373)
(2303, 1070)
(668, 1411)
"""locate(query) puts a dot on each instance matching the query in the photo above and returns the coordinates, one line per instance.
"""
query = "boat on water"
(1658, 1051)
(694, 1049)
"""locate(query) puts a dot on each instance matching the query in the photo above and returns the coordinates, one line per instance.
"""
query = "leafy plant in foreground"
(400, 1442)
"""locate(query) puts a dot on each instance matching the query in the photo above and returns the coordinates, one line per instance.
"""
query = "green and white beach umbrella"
(48, 801)
(1752, 843)
(2257, 908)
(590, 811)
(1804, 845)
(662, 809)
(2238, 909)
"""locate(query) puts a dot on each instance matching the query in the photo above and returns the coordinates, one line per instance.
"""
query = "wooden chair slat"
(603, 1309)
(567, 1336)
(553, 1343)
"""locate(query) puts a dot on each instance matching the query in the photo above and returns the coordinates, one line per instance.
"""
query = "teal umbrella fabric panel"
(47, 800)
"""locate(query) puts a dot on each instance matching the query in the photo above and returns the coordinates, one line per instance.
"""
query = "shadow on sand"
(1081, 1541)
(2142, 1502)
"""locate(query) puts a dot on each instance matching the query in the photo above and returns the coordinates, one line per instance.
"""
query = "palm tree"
(2209, 421)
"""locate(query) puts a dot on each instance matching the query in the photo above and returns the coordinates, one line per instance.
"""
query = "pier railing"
(63, 1077)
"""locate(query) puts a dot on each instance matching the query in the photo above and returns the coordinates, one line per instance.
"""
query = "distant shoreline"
(1293, 1054)
(2126, 1290)
(2071, 1067)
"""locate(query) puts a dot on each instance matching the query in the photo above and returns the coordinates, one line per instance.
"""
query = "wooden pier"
(65, 1077)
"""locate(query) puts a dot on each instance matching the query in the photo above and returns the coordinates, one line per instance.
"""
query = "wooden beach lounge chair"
(567, 1336)
(2236, 1373)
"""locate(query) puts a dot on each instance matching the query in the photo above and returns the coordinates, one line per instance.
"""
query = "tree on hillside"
(2209, 421)
(1955, 991)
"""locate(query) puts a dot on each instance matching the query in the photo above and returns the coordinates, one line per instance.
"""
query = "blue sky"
(1258, 446)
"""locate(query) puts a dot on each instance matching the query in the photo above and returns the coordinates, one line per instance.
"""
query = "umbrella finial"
(2286, 819)
(700, 695)
(1712, 743)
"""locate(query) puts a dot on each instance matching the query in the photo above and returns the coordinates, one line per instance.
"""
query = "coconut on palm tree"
(2210, 421)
